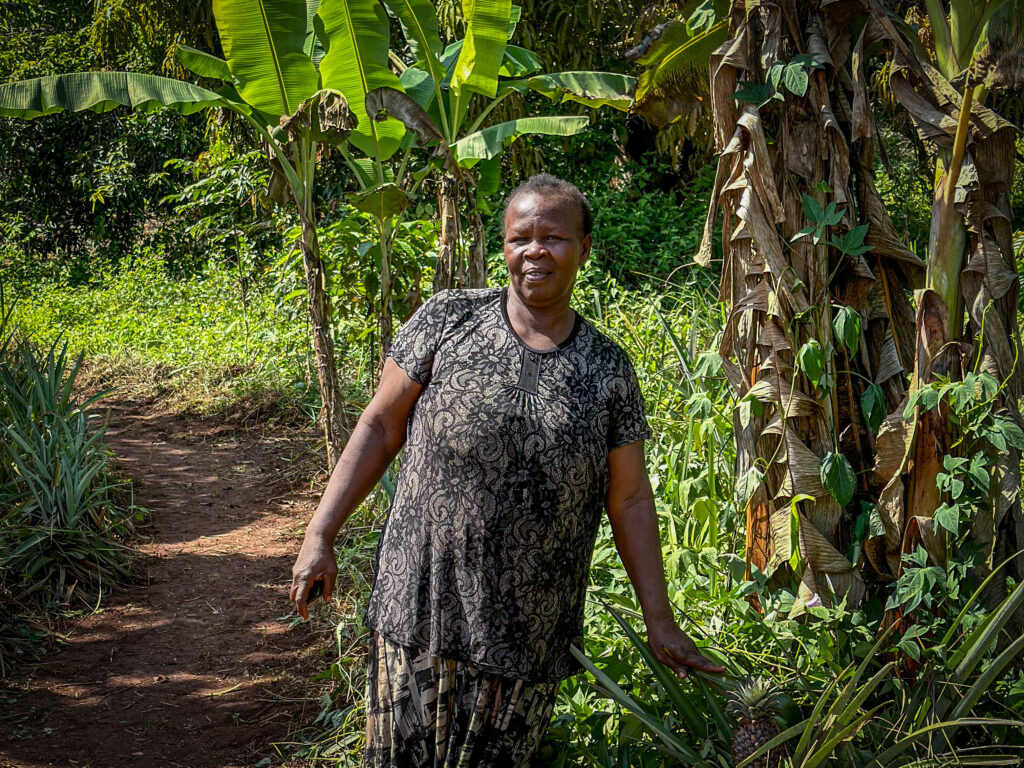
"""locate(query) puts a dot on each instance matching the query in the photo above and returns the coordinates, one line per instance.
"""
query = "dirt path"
(196, 666)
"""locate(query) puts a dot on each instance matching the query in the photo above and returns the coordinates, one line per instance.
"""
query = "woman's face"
(544, 248)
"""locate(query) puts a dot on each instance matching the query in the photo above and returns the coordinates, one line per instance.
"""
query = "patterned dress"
(485, 555)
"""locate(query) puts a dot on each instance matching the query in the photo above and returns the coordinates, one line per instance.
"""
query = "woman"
(523, 424)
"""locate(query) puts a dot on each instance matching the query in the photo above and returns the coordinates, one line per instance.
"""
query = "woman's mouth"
(535, 275)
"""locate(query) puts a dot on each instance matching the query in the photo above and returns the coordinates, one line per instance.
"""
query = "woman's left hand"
(674, 648)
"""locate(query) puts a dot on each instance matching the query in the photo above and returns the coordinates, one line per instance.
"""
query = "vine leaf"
(794, 77)
(872, 405)
(746, 484)
(948, 516)
(846, 327)
(811, 360)
(838, 477)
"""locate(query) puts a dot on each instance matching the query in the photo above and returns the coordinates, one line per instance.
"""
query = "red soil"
(198, 665)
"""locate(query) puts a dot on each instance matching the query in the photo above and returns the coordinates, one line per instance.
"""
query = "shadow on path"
(198, 666)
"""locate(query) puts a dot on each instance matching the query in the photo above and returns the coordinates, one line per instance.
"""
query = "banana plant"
(298, 73)
(675, 55)
(970, 285)
(822, 341)
(448, 93)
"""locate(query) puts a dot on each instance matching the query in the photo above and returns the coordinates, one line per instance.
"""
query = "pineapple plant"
(754, 704)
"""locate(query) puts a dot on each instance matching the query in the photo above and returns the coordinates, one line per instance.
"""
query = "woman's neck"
(540, 327)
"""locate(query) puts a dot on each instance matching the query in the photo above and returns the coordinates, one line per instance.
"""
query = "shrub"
(62, 529)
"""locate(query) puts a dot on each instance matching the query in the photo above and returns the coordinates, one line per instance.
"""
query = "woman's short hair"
(546, 185)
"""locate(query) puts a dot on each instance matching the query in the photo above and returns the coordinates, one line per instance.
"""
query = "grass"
(199, 344)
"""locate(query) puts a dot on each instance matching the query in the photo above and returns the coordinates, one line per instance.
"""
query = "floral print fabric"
(486, 551)
(425, 712)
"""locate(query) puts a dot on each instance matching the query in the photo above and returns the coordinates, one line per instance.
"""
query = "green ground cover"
(195, 339)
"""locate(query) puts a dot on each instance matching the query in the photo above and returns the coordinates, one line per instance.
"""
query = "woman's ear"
(585, 245)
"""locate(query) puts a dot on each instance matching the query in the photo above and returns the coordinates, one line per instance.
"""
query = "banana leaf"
(202, 63)
(677, 64)
(355, 37)
(393, 103)
(384, 202)
(519, 62)
(418, 20)
(483, 50)
(488, 143)
(592, 89)
(103, 91)
(419, 25)
(264, 43)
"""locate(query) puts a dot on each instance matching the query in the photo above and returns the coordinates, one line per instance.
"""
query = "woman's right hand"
(315, 563)
(374, 443)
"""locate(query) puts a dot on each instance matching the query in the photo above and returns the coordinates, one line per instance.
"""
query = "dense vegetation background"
(147, 243)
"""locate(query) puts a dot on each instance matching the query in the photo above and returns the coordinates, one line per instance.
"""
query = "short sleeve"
(414, 347)
(627, 422)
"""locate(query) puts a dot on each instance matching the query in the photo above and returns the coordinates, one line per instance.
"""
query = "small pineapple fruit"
(754, 705)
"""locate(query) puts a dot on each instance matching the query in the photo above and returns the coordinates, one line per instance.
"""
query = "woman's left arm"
(630, 505)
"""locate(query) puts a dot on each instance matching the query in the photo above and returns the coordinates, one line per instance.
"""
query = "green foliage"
(349, 248)
(821, 219)
(792, 75)
(42, 37)
(87, 182)
(642, 233)
(140, 35)
(838, 478)
(196, 340)
(873, 406)
(846, 328)
(221, 214)
(810, 359)
(211, 311)
(848, 697)
(63, 526)
(907, 189)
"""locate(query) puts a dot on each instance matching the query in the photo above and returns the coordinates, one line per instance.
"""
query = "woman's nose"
(535, 249)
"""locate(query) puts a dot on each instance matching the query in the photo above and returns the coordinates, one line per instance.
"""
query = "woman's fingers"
(675, 649)
(691, 657)
(299, 591)
(309, 568)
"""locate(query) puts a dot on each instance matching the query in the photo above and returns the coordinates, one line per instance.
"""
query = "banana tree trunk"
(783, 136)
(939, 322)
(989, 293)
(972, 272)
(385, 325)
(448, 271)
(332, 415)
(461, 256)
(476, 257)
(792, 258)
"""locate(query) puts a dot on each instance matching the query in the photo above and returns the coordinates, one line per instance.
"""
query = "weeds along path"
(196, 665)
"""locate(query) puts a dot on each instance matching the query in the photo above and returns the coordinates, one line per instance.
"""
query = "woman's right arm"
(378, 436)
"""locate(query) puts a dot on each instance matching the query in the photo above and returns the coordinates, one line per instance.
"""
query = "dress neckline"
(503, 302)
